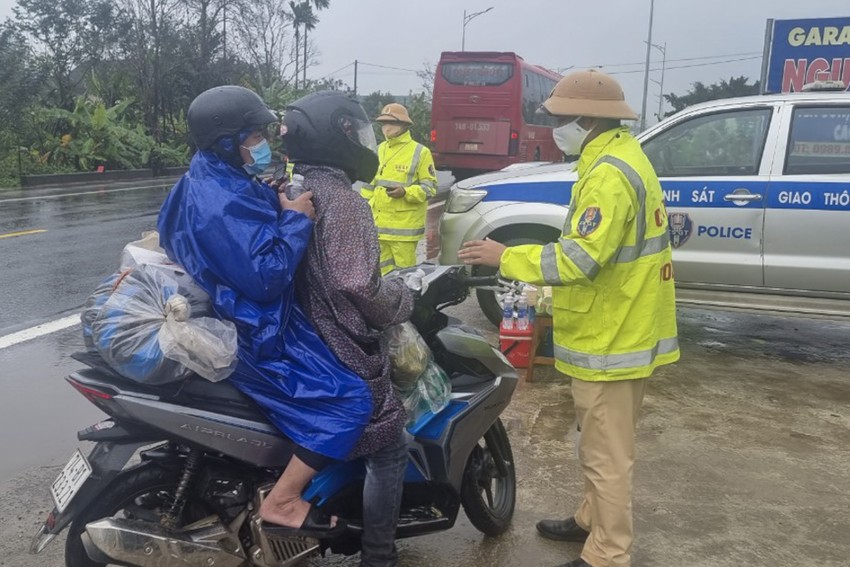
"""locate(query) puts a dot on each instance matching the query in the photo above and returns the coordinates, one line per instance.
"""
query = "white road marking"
(63, 195)
(13, 339)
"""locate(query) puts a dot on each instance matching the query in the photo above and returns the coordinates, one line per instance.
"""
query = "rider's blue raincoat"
(233, 238)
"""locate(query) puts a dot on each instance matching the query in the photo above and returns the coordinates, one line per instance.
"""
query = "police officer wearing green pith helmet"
(614, 303)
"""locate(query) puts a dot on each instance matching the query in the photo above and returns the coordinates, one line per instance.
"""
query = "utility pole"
(355, 77)
(224, 34)
(663, 50)
(646, 72)
(466, 19)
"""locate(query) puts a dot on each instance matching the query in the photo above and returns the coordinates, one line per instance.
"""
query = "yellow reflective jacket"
(614, 304)
(409, 164)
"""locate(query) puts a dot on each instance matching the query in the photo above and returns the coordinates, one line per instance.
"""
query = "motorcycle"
(206, 457)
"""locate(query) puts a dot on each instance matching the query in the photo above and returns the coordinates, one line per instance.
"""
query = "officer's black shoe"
(562, 530)
(577, 563)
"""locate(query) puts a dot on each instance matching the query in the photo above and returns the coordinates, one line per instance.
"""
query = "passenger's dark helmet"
(331, 128)
(226, 111)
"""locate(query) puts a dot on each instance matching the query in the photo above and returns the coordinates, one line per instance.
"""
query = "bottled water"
(522, 312)
(295, 186)
(508, 312)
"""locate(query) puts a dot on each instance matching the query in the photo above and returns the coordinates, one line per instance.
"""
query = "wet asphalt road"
(52, 272)
(743, 446)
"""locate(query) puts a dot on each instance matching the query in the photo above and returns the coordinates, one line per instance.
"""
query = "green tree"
(419, 107)
(263, 30)
(94, 135)
(69, 35)
(734, 87)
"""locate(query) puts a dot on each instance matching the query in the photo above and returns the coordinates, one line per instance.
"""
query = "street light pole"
(466, 19)
(646, 72)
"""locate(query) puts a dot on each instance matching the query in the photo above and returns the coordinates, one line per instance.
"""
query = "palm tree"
(310, 20)
(303, 15)
(297, 19)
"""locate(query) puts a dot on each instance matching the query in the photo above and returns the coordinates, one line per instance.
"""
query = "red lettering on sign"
(818, 70)
(794, 75)
(846, 77)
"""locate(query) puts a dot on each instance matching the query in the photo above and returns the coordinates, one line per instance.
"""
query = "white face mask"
(392, 130)
(570, 137)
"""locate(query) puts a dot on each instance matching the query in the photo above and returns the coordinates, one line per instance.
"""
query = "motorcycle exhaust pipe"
(136, 543)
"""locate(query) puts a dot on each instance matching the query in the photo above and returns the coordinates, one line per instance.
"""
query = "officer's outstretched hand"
(482, 253)
(303, 203)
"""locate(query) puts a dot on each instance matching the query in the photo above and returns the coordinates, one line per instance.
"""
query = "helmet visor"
(359, 131)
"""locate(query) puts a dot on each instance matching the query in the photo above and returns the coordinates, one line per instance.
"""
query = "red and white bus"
(484, 113)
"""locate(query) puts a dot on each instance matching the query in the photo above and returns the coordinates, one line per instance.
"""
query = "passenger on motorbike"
(330, 139)
(242, 242)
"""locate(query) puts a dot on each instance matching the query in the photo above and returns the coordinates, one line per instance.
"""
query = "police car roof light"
(820, 86)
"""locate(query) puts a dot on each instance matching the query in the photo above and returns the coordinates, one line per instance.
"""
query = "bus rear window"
(477, 74)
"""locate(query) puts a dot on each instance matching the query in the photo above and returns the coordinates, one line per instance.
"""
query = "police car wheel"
(487, 298)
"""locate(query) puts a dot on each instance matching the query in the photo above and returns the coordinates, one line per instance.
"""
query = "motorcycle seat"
(196, 392)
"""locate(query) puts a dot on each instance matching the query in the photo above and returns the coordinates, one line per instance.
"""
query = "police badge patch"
(681, 226)
(590, 221)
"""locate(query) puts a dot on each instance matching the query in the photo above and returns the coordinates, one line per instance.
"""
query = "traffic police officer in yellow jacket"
(399, 194)
(614, 302)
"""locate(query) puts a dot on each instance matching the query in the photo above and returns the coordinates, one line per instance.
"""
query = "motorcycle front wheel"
(488, 494)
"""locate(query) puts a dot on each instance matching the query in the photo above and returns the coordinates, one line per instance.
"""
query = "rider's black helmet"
(224, 112)
(331, 128)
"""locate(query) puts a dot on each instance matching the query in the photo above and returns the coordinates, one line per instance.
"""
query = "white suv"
(758, 196)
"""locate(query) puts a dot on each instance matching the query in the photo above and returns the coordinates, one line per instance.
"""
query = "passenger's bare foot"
(289, 513)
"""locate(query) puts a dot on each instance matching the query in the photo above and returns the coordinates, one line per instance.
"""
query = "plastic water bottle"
(522, 312)
(508, 312)
(295, 186)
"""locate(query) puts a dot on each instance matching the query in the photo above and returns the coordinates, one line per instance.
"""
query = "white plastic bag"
(149, 301)
(205, 345)
(409, 355)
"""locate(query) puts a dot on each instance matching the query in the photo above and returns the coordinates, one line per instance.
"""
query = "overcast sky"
(553, 33)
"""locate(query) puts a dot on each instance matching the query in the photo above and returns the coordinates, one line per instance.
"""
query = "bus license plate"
(469, 147)
(70, 480)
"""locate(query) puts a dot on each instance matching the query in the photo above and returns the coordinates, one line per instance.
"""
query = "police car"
(758, 197)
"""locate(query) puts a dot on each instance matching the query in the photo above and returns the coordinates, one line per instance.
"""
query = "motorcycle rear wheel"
(149, 482)
(488, 496)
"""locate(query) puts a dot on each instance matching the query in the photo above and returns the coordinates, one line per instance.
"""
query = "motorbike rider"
(330, 139)
(241, 242)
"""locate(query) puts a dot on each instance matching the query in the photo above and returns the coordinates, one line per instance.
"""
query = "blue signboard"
(798, 52)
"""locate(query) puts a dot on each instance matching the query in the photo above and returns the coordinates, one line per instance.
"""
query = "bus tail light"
(513, 147)
(434, 136)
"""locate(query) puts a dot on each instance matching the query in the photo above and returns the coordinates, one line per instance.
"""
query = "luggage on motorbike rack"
(152, 324)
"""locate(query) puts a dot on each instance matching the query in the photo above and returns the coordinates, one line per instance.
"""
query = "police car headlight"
(461, 200)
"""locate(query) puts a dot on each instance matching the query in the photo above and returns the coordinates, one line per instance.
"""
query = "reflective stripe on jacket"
(409, 164)
(613, 295)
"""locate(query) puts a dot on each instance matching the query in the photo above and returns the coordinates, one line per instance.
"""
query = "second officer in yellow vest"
(399, 194)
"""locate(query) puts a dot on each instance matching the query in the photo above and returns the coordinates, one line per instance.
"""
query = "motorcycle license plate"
(70, 480)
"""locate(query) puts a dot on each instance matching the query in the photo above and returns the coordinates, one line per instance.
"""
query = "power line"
(687, 66)
(337, 71)
(703, 58)
(392, 68)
